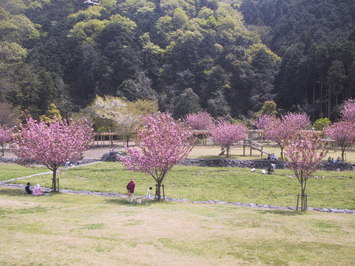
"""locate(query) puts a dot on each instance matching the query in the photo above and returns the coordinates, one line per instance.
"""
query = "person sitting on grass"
(28, 188)
(37, 191)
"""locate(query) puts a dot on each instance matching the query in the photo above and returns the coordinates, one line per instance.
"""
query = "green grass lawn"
(328, 190)
(65, 229)
(9, 171)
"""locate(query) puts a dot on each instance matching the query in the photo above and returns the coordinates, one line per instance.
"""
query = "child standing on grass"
(130, 190)
(149, 192)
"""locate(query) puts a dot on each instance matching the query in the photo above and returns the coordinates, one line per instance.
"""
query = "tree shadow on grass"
(282, 212)
(124, 202)
(79, 169)
(19, 192)
(14, 192)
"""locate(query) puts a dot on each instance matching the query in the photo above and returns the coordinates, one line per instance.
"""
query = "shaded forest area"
(226, 57)
(316, 41)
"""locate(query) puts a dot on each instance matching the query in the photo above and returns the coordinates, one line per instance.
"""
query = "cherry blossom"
(199, 121)
(343, 132)
(5, 137)
(304, 153)
(52, 143)
(162, 142)
(226, 134)
(348, 111)
(282, 129)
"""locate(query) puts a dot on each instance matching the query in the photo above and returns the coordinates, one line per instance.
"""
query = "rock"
(258, 164)
(110, 157)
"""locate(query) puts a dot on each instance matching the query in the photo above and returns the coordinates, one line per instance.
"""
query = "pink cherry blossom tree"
(281, 130)
(304, 153)
(226, 134)
(348, 111)
(5, 137)
(162, 143)
(343, 132)
(264, 121)
(53, 143)
(199, 121)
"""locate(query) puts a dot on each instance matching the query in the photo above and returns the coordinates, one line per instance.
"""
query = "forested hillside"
(316, 41)
(226, 57)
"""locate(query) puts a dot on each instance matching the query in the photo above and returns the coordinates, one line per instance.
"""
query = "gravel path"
(94, 153)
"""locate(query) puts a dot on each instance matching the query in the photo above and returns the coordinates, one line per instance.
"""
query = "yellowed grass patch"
(91, 230)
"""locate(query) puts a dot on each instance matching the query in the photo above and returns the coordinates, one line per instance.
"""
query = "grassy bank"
(9, 171)
(64, 229)
(328, 190)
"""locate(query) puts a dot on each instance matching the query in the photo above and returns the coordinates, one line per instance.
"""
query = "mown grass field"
(9, 171)
(328, 190)
(65, 229)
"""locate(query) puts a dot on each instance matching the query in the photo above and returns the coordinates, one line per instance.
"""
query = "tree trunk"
(228, 148)
(303, 203)
(313, 101)
(303, 196)
(158, 191)
(329, 101)
(54, 180)
(343, 154)
(282, 153)
(321, 97)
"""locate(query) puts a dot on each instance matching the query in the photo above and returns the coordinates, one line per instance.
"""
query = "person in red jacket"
(130, 190)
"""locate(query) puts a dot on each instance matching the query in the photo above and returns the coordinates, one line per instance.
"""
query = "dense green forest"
(316, 41)
(226, 57)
